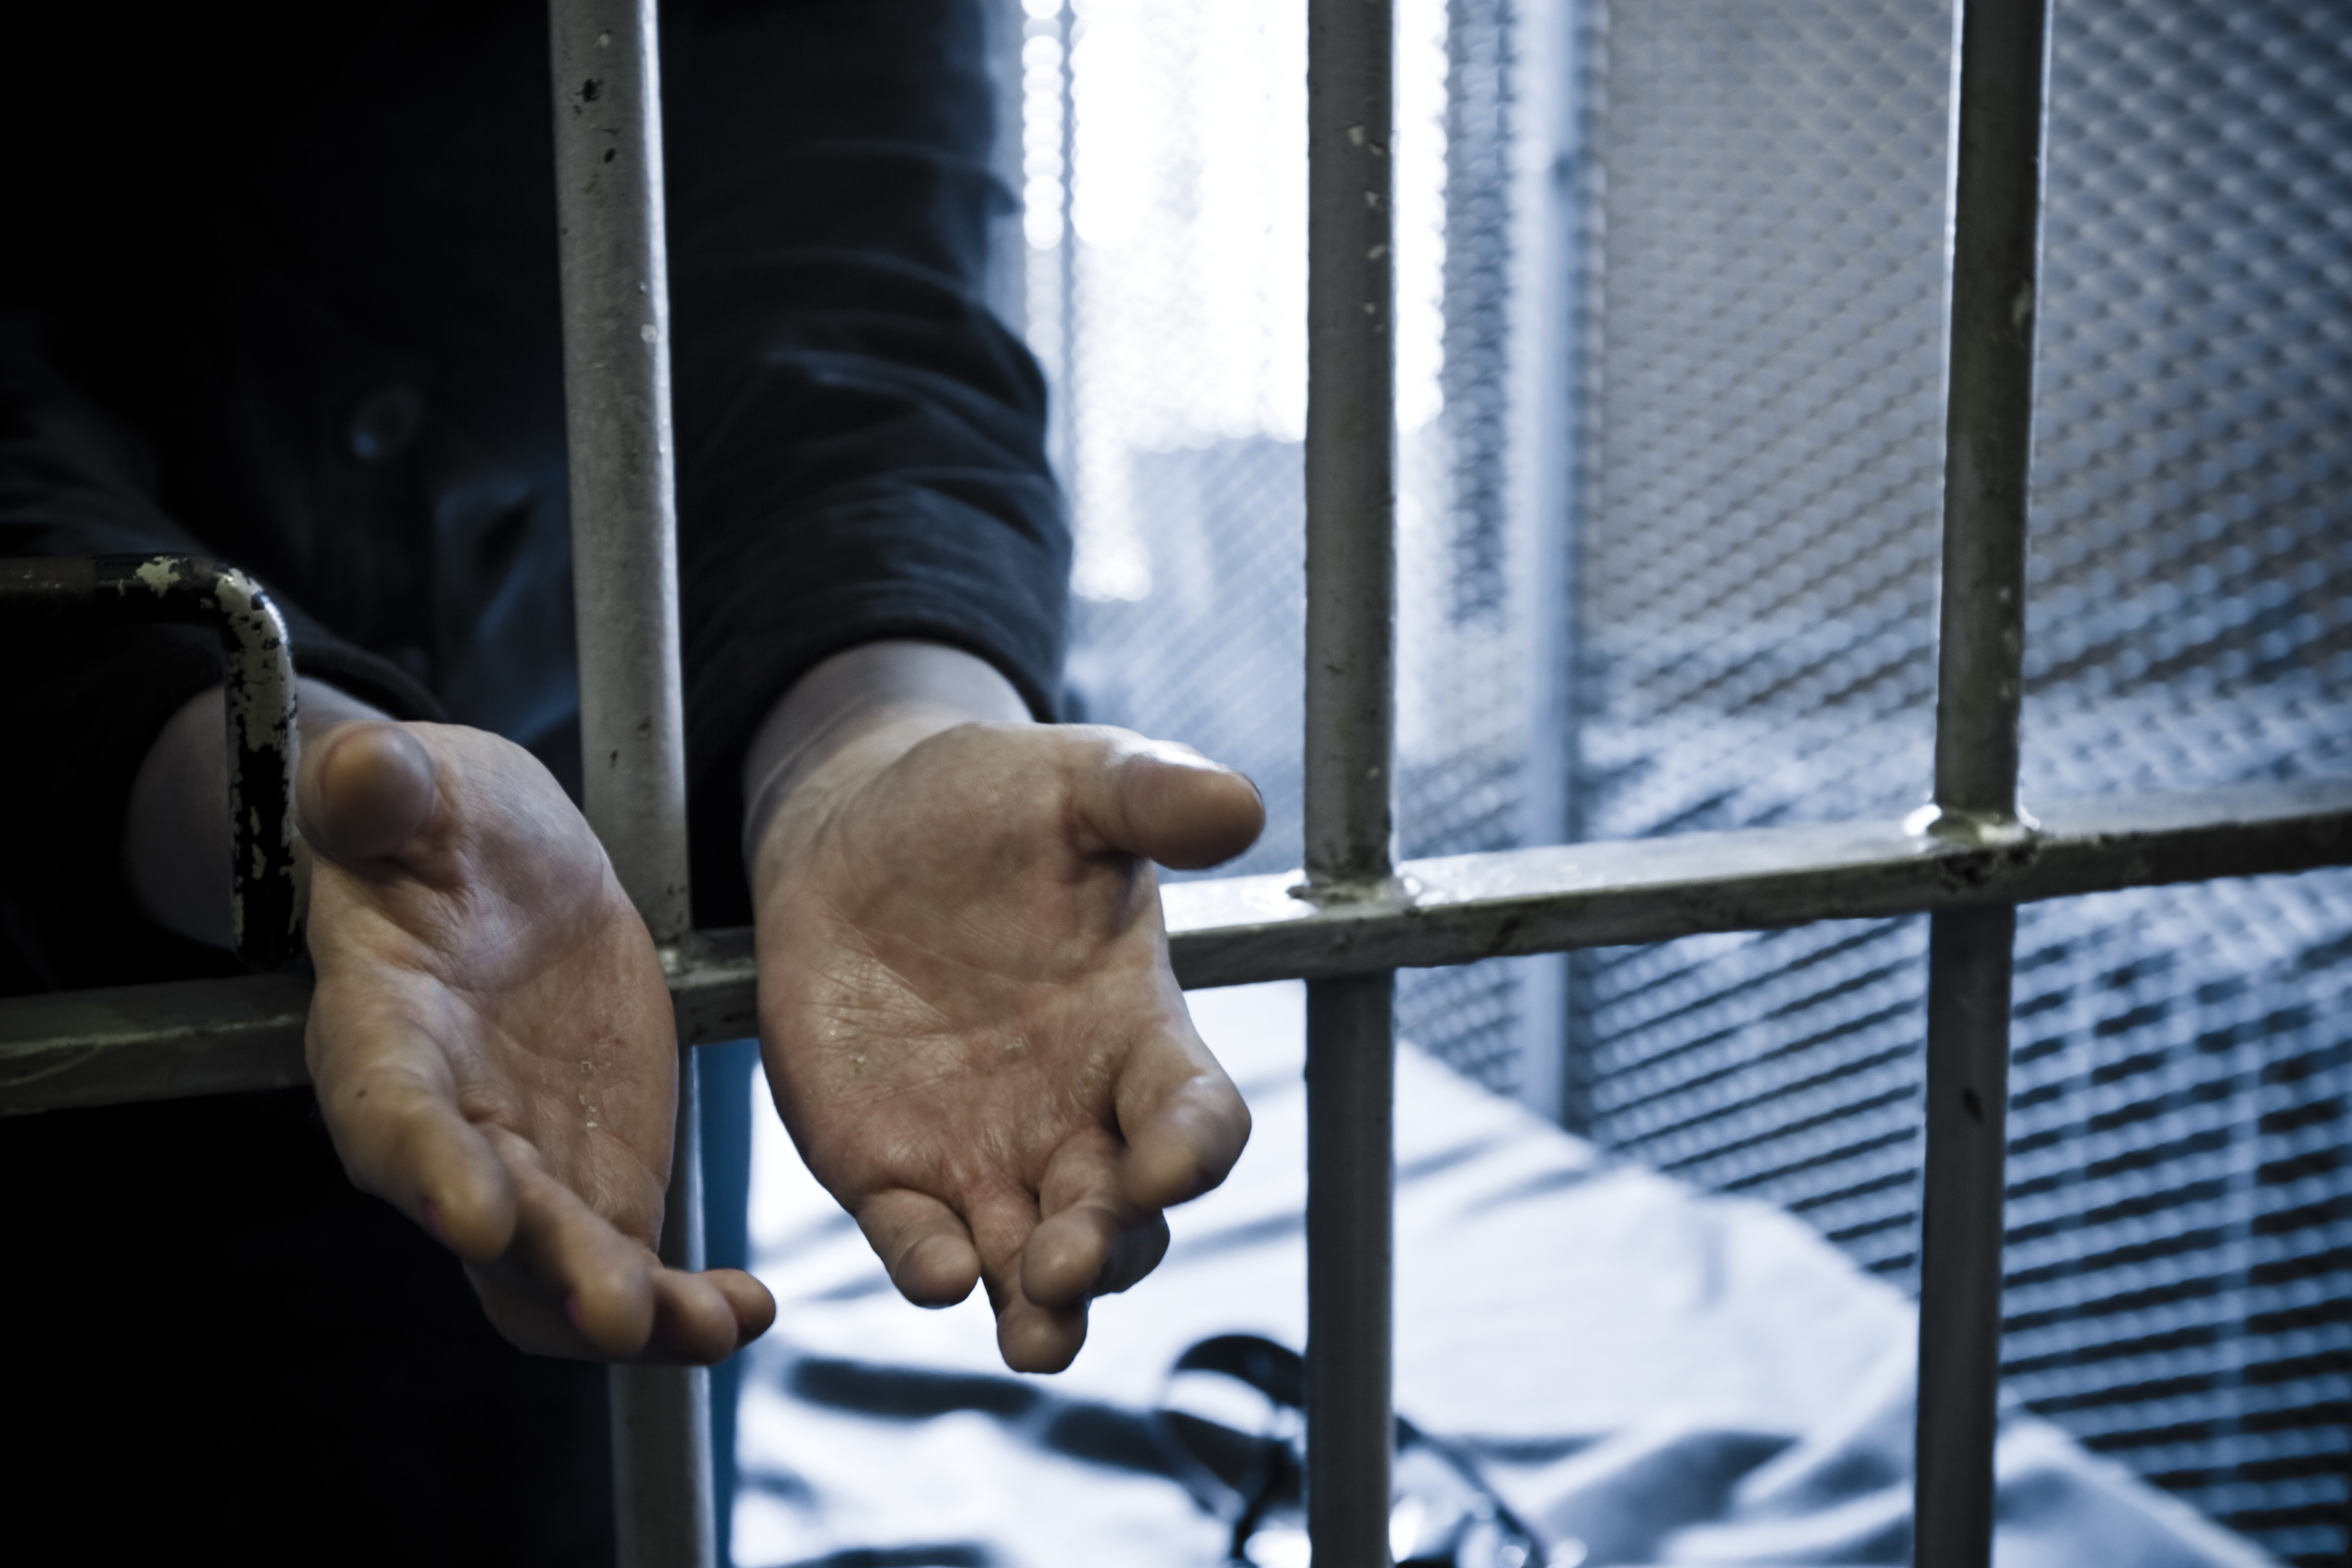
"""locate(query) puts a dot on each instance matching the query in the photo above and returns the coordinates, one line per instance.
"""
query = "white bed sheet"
(1651, 1375)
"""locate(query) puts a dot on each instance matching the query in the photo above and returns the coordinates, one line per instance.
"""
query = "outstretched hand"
(492, 1042)
(968, 1016)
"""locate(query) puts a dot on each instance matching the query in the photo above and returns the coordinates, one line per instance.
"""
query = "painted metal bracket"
(258, 667)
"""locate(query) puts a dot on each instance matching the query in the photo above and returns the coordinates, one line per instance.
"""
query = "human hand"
(967, 1013)
(492, 1042)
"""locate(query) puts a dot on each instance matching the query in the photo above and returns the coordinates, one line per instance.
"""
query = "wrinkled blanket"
(1646, 1374)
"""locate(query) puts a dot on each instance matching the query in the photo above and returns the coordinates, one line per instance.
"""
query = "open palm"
(968, 1021)
(492, 1042)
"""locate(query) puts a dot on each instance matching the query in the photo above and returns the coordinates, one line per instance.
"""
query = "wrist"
(793, 805)
(176, 835)
(844, 722)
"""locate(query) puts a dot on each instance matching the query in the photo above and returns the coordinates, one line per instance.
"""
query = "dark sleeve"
(79, 710)
(861, 443)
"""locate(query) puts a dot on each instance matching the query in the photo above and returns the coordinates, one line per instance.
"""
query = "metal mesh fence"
(1171, 311)
(1759, 491)
(1758, 552)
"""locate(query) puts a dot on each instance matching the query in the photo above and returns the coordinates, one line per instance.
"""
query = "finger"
(753, 1304)
(1181, 1138)
(1030, 1336)
(1137, 1252)
(404, 1139)
(566, 1251)
(689, 1329)
(1169, 804)
(927, 1249)
(1088, 1237)
(364, 792)
(1090, 1251)
(1068, 1254)
(1078, 1198)
(696, 1318)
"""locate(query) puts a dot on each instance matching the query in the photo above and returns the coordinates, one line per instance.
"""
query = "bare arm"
(176, 843)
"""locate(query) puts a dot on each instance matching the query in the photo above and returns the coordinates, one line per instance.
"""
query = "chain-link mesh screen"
(1172, 310)
(1758, 549)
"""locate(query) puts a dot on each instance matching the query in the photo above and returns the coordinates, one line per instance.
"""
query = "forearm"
(852, 715)
(176, 835)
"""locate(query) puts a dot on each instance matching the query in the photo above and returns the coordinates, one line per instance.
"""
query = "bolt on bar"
(1988, 445)
(613, 254)
(1350, 726)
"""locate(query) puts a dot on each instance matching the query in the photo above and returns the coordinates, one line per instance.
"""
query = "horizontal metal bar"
(217, 1036)
(177, 1041)
(1469, 907)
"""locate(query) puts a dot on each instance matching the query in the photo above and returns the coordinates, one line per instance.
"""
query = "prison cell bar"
(220, 1036)
(1350, 724)
(177, 1040)
(613, 254)
(1997, 146)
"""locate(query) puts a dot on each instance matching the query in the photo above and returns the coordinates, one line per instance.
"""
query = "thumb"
(1169, 804)
(364, 792)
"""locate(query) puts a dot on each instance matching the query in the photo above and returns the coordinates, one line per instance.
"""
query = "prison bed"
(1645, 1375)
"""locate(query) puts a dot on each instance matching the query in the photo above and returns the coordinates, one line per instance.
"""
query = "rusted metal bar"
(258, 671)
(1349, 743)
(613, 258)
(1988, 462)
(219, 1036)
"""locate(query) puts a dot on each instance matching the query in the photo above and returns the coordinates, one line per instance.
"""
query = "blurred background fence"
(1670, 356)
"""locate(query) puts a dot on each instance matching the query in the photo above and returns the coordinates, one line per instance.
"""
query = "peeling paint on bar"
(217, 1036)
(267, 876)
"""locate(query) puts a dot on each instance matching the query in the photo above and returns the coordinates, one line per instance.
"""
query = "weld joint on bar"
(1974, 829)
(1399, 893)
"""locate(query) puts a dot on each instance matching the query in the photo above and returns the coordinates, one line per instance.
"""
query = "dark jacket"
(281, 288)
(279, 285)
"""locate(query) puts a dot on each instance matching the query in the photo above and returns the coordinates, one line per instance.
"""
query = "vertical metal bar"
(1587, 80)
(663, 1509)
(1988, 435)
(1351, 1266)
(1350, 726)
(1540, 87)
(631, 713)
(1064, 427)
(1960, 1270)
(1988, 416)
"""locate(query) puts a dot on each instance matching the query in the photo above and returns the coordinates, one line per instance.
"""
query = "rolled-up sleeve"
(80, 708)
(861, 442)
